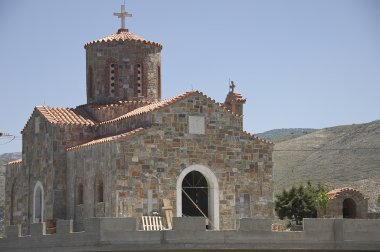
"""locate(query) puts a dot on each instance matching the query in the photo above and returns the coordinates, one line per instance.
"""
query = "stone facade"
(347, 203)
(127, 151)
(152, 159)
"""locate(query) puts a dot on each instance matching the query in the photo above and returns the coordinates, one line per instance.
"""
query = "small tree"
(378, 199)
(295, 204)
(322, 199)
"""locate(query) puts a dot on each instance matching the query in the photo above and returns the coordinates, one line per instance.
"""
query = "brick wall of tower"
(125, 57)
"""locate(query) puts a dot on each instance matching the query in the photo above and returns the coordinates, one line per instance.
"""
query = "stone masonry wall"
(150, 162)
(126, 55)
(16, 196)
(121, 126)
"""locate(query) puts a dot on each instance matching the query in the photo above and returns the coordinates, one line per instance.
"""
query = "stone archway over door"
(349, 208)
(38, 203)
(212, 194)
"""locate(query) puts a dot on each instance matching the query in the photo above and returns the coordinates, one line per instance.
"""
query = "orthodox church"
(129, 153)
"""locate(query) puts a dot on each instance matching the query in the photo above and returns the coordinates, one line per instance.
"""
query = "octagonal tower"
(123, 66)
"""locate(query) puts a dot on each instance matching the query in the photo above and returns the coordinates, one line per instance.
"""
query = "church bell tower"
(123, 67)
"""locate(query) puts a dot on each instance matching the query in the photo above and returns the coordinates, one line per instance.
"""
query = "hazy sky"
(299, 63)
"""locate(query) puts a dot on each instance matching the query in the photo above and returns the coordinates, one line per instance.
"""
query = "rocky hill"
(280, 135)
(338, 156)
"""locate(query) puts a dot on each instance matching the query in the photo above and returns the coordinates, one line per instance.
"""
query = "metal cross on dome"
(232, 86)
(122, 15)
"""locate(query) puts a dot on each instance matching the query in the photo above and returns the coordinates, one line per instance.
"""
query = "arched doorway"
(38, 203)
(13, 200)
(194, 195)
(198, 194)
(349, 208)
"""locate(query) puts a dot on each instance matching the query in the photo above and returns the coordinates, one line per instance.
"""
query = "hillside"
(280, 135)
(338, 156)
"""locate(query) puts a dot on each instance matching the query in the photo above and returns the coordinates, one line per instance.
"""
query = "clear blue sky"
(299, 63)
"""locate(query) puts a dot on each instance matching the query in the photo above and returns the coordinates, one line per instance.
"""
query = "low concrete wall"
(120, 234)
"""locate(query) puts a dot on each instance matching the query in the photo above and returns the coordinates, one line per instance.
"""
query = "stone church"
(128, 153)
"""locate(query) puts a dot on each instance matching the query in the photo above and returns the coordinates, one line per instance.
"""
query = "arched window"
(38, 203)
(159, 82)
(13, 201)
(90, 83)
(111, 79)
(80, 194)
(100, 191)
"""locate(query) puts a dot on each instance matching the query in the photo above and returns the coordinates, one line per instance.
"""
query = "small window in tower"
(90, 82)
(112, 76)
(139, 88)
(159, 81)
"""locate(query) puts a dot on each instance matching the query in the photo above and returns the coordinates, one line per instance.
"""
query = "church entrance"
(195, 195)
(349, 208)
(198, 195)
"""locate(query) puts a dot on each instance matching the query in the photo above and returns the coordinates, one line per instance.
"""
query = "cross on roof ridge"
(122, 15)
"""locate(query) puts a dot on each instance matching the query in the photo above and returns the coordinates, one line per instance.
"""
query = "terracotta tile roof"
(333, 194)
(122, 35)
(15, 162)
(100, 106)
(106, 139)
(152, 107)
(236, 96)
(66, 116)
(257, 138)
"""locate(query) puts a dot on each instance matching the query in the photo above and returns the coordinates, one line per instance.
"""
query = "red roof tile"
(236, 96)
(100, 106)
(257, 138)
(152, 107)
(66, 116)
(106, 139)
(122, 35)
(336, 192)
(15, 162)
